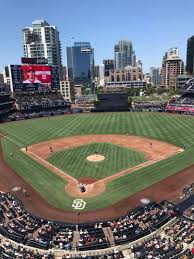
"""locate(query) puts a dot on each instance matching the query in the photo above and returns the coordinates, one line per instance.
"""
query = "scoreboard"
(34, 78)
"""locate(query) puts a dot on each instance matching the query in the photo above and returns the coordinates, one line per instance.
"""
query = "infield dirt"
(153, 150)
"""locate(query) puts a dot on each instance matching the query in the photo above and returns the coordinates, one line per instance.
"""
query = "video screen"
(34, 78)
(36, 74)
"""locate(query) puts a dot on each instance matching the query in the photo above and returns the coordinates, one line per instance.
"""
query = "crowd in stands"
(170, 243)
(187, 254)
(10, 251)
(6, 105)
(35, 105)
(26, 230)
(39, 101)
(141, 222)
(190, 213)
(32, 115)
(185, 103)
(150, 106)
(92, 237)
(20, 226)
(186, 98)
(86, 100)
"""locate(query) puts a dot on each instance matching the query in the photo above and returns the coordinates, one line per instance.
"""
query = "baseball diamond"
(68, 159)
(76, 130)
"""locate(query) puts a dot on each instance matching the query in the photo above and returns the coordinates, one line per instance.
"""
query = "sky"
(153, 26)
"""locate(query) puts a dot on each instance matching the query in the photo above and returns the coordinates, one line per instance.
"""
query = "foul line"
(135, 168)
(68, 177)
(50, 166)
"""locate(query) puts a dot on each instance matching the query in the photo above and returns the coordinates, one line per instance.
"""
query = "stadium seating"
(153, 106)
(140, 222)
(20, 226)
(91, 237)
(185, 103)
(190, 213)
(6, 105)
(31, 233)
(85, 99)
(40, 101)
(10, 251)
(32, 105)
(168, 244)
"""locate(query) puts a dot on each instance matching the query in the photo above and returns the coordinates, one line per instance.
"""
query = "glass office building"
(190, 56)
(80, 63)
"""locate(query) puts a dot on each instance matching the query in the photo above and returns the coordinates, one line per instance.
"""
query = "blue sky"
(152, 25)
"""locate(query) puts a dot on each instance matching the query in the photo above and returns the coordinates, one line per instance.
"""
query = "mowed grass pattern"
(117, 158)
(175, 129)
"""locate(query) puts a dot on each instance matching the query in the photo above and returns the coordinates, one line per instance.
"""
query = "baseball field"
(139, 150)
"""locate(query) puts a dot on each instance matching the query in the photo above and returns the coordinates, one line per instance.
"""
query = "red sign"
(180, 108)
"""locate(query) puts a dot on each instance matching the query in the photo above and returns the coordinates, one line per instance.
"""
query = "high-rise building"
(190, 56)
(99, 75)
(124, 54)
(108, 65)
(139, 63)
(41, 40)
(123, 75)
(6, 76)
(173, 52)
(96, 71)
(134, 63)
(67, 90)
(147, 78)
(172, 66)
(1, 78)
(63, 73)
(155, 74)
(80, 63)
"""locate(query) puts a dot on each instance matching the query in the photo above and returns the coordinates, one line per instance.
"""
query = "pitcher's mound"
(95, 158)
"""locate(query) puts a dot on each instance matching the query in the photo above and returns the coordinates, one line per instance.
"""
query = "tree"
(96, 103)
(129, 101)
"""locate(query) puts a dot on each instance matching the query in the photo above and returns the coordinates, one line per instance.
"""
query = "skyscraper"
(190, 56)
(41, 40)
(108, 65)
(172, 66)
(124, 54)
(139, 63)
(155, 74)
(80, 63)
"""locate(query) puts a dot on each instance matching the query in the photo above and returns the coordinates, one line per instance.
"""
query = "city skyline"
(152, 28)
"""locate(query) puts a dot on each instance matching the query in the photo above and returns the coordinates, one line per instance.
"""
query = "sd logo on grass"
(78, 204)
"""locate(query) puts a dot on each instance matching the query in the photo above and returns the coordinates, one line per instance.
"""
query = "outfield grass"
(117, 158)
(178, 130)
